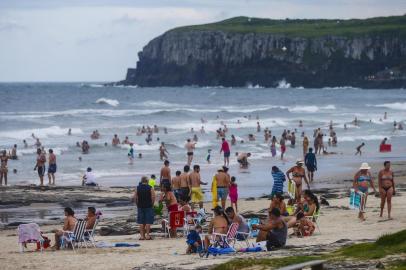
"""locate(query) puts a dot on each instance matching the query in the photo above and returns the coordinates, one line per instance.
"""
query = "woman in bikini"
(309, 206)
(219, 224)
(298, 173)
(386, 187)
(362, 180)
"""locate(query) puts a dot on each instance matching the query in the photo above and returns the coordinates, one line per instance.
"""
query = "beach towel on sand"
(110, 245)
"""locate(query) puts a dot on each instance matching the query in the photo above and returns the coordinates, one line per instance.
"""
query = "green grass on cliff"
(394, 25)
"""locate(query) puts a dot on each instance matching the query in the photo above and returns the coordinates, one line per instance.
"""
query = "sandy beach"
(339, 226)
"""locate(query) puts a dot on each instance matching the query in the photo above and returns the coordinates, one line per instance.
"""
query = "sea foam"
(111, 102)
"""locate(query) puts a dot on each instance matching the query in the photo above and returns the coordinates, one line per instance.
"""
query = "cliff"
(367, 53)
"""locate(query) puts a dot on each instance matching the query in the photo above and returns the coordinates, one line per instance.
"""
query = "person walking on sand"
(3, 167)
(195, 183)
(386, 183)
(163, 153)
(165, 177)
(185, 184)
(298, 174)
(223, 185)
(190, 147)
(305, 145)
(144, 198)
(51, 167)
(311, 164)
(359, 149)
(225, 148)
(362, 180)
(40, 165)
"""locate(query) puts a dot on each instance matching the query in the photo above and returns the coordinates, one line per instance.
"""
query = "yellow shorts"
(197, 194)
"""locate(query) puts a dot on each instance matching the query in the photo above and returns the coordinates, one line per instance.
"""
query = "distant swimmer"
(208, 158)
(163, 153)
(126, 140)
(195, 138)
(85, 147)
(3, 167)
(165, 130)
(292, 140)
(400, 126)
(190, 147)
(300, 123)
(394, 125)
(51, 167)
(283, 147)
(242, 159)
(115, 141)
(33, 136)
(233, 140)
(385, 115)
(13, 154)
(345, 126)
(258, 127)
(273, 146)
(359, 149)
(37, 143)
(251, 137)
(202, 131)
(156, 129)
(69, 131)
(130, 154)
(25, 144)
(40, 165)
(355, 122)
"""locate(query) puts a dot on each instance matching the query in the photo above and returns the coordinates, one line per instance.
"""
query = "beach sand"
(336, 222)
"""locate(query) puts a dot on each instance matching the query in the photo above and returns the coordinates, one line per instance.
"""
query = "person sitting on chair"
(68, 225)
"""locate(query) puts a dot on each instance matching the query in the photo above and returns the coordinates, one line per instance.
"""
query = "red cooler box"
(385, 148)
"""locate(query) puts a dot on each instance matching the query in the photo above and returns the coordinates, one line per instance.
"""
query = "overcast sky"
(97, 40)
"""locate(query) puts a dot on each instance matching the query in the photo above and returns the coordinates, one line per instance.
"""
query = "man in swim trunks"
(282, 142)
(175, 182)
(195, 182)
(190, 147)
(40, 165)
(51, 167)
(225, 148)
(163, 153)
(243, 160)
(3, 168)
(223, 185)
(14, 153)
(359, 149)
(311, 164)
(165, 178)
(115, 141)
(185, 184)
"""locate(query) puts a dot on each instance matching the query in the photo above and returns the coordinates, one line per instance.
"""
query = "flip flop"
(142, 239)
(149, 238)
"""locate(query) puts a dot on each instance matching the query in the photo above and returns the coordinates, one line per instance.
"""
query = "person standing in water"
(190, 147)
(386, 182)
(3, 168)
(51, 167)
(298, 173)
(283, 147)
(163, 153)
(165, 177)
(311, 164)
(40, 165)
(115, 141)
(362, 180)
(305, 145)
(131, 154)
(225, 148)
(359, 149)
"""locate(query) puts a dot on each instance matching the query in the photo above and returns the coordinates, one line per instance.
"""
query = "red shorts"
(283, 148)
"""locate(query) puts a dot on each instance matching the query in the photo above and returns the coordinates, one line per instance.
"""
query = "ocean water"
(49, 109)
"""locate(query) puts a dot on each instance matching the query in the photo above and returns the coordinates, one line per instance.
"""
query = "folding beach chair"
(190, 221)
(314, 218)
(29, 233)
(220, 243)
(292, 189)
(89, 234)
(75, 237)
(176, 220)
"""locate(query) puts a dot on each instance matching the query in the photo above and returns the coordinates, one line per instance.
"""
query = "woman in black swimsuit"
(386, 187)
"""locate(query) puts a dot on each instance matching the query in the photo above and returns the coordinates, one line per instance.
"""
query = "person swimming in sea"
(131, 154)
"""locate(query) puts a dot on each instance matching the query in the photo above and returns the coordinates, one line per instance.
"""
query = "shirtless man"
(115, 141)
(175, 182)
(40, 165)
(165, 178)
(243, 160)
(190, 146)
(223, 185)
(37, 143)
(195, 182)
(258, 127)
(163, 153)
(51, 167)
(126, 140)
(3, 168)
(185, 184)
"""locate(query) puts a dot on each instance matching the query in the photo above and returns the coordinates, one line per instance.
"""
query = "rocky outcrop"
(217, 57)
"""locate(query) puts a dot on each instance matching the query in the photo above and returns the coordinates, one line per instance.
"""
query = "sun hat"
(364, 166)
(220, 169)
(299, 161)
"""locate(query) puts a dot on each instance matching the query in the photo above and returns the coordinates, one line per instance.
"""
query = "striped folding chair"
(229, 239)
(75, 237)
(89, 234)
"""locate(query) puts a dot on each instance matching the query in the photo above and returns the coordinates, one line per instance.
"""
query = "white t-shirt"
(90, 178)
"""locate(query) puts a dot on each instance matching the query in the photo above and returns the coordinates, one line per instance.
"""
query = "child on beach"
(305, 226)
(208, 156)
(233, 193)
(194, 242)
(359, 149)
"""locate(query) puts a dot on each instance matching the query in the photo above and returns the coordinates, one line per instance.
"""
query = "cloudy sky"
(96, 40)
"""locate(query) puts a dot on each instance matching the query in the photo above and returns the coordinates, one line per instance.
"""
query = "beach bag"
(46, 243)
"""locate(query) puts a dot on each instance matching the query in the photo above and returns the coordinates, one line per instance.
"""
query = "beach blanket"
(29, 233)
(110, 245)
